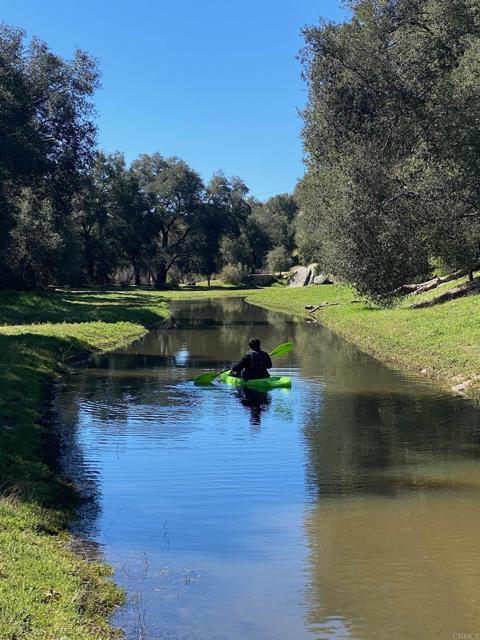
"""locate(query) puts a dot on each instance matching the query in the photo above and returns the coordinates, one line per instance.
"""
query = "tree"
(276, 218)
(33, 242)
(135, 224)
(311, 218)
(359, 129)
(238, 252)
(174, 195)
(90, 205)
(391, 140)
(278, 259)
(18, 139)
(245, 250)
(224, 213)
(47, 138)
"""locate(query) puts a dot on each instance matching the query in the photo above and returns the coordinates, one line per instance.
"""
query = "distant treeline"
(73, 215)
(391, 191)
(392, 137)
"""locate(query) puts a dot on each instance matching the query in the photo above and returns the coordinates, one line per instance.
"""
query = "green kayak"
(264, 384)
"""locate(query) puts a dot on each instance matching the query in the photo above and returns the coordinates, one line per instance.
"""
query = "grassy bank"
(442, 342)
(46, 591)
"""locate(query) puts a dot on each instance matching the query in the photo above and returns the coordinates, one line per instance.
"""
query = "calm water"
(346, 507)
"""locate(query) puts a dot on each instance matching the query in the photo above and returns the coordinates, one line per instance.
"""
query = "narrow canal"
(346, 507)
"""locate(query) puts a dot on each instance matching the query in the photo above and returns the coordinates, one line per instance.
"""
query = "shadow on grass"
(81, 306)
(27, 450)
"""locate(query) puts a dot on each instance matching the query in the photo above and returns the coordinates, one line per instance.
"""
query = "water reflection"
(257, 402)
(394, 482)
(364, 442)
(347, 507)
(403, 568)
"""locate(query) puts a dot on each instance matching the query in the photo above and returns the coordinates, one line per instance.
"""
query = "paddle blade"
(282, 350)
(205, 378)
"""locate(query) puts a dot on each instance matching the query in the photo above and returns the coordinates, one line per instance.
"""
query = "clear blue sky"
(215, 82)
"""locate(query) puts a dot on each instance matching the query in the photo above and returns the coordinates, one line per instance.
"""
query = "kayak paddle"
(282, 350)
(208, 378)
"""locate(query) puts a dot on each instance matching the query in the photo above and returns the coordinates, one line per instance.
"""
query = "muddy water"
(347, 507)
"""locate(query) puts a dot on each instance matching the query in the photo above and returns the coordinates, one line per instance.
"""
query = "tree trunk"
(209, 278)
(89, 259)
(138, 275)
(161, 276)
(91, 270)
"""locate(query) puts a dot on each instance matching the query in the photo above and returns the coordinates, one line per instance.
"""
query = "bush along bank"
(439, 342)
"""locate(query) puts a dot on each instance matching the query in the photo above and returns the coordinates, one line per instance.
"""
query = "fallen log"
(312, 308)
(465, 289)
(421, 287)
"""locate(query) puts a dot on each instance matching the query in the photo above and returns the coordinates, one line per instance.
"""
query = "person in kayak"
(254, 364)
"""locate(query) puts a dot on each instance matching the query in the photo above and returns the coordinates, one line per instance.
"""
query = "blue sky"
(215, 82)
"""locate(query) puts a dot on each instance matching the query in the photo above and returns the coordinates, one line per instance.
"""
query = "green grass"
(442, 341)
(46, 591)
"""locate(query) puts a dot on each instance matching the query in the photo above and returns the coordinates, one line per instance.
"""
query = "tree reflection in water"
(394, 484)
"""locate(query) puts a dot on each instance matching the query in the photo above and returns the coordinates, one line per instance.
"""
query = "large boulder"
(321, 279)
(300, 276)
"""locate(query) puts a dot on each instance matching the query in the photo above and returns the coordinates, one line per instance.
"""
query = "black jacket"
(254, 364)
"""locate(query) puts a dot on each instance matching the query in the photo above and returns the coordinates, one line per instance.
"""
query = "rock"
(300, 276)
(462, 387)
(321, 279)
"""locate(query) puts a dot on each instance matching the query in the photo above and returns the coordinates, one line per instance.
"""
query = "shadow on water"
(348, 507)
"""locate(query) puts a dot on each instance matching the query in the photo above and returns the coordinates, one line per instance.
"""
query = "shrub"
(231, 274)
(278, 259)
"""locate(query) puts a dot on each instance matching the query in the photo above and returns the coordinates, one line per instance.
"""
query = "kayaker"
(254, 364)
